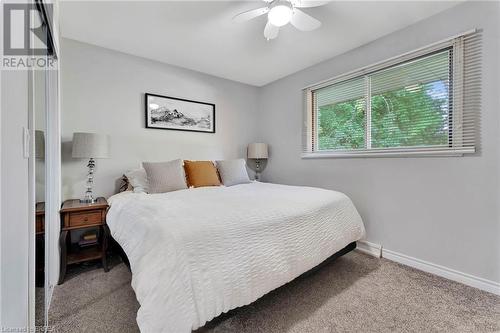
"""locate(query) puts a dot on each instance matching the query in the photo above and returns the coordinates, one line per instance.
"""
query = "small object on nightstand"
(90, 217)
(89, 238)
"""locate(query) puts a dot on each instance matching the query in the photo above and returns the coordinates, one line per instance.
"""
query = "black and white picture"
(179, 114)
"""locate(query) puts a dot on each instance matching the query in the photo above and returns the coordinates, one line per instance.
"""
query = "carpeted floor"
(355, 293)
(39, 306)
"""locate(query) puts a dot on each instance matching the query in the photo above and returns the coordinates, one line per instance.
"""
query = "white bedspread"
(196, 253)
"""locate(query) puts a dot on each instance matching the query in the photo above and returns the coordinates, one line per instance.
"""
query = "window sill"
(391, 153)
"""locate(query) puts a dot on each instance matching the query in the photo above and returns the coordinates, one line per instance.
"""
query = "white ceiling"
(200, 35)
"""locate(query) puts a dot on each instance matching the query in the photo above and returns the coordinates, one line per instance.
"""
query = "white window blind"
(424, 102)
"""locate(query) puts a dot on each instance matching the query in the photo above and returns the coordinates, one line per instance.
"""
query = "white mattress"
(196, 253)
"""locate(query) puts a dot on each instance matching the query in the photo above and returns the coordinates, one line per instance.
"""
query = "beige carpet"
(355, 293)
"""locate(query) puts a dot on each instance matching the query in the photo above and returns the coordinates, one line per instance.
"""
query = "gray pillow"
(233, 172)
(165, 176)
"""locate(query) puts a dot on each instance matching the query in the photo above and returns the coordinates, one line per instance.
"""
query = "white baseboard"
(448, 273)
(371, 249)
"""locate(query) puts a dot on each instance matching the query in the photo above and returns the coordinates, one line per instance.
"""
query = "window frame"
(455, 46)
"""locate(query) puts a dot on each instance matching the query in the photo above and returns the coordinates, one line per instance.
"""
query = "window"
(424, 102)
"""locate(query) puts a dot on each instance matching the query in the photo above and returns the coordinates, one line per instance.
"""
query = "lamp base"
(257, 170)
(89, 196)
(88, 201)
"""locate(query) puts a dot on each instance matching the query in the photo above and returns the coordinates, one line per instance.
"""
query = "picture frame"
(179, 114)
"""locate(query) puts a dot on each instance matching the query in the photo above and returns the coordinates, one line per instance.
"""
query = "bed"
(199, 252)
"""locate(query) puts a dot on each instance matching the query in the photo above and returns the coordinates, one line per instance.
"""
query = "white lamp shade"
(257, 151)
(90, 145)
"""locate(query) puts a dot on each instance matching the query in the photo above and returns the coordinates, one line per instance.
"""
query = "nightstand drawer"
(85, 218)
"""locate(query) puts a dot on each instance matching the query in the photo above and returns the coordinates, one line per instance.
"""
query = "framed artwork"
(179, 114)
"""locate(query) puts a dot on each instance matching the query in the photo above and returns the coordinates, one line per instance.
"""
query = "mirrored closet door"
(45, 161)
(40, 114)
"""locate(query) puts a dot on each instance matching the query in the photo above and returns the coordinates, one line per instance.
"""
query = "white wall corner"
(371, 249)
(448, 273)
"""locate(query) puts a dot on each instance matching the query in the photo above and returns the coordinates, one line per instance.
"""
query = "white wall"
(442, 210)
(103, 92)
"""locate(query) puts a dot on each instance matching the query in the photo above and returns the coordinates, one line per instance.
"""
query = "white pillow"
(233, 172)
(138, 179)
(165, 176)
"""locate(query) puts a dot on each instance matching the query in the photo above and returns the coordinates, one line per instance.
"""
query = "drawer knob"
(86, 219)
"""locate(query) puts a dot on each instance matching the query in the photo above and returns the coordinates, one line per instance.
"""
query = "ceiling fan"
(282, 12)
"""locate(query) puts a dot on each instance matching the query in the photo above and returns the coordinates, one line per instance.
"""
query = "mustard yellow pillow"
(201, 173)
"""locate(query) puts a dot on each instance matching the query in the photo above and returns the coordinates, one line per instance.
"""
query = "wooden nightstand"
(82, 216)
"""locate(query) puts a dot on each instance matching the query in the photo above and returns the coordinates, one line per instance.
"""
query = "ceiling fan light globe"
(280, 15)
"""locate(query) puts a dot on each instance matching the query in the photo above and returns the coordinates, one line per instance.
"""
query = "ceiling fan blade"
(308, 3)
(271, 31)
(304, 22)
(251, 14)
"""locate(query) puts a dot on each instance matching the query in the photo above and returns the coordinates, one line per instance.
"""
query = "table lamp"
(257, 151)
(91, 146)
